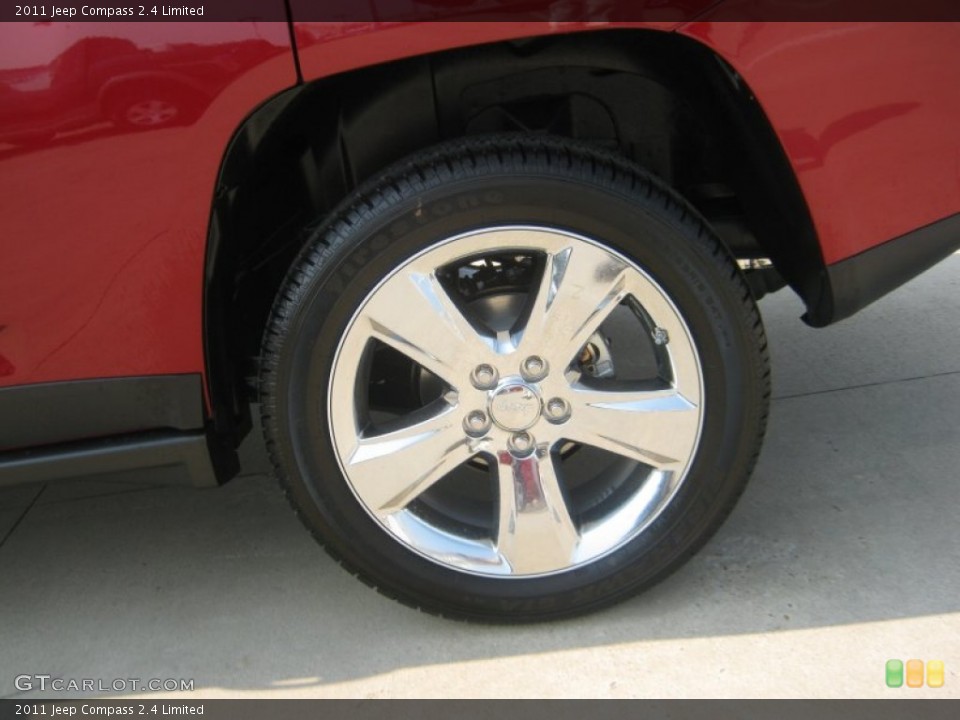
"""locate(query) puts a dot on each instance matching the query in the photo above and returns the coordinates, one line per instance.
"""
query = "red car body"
(110, 232)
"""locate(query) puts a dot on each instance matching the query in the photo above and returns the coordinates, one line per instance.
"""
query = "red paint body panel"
(867, 113)
(327, 49)
(104, 229)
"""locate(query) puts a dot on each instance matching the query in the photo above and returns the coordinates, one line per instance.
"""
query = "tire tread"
(473, 156)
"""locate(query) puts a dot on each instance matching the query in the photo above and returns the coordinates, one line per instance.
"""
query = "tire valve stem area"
(595, 359)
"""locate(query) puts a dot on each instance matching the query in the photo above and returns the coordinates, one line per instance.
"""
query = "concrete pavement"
(842, 554)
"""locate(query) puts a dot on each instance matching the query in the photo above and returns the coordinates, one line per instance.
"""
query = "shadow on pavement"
(850, 517)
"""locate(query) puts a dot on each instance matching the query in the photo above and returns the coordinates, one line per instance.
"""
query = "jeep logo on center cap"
(515, 407)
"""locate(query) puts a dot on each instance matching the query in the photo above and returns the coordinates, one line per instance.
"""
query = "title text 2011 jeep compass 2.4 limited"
(492, 284)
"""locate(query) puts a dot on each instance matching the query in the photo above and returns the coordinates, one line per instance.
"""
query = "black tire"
(494, 182)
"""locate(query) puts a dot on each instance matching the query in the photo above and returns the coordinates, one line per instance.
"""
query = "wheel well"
(660, 99)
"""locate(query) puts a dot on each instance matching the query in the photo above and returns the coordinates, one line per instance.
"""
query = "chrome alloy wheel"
(538, 442)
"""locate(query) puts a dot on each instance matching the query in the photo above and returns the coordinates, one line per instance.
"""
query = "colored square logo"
(894, 673)
(935, 673)
(914, 673)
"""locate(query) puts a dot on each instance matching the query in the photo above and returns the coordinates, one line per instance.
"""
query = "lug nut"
(534, 368)
(558, 410)
(484, 377)
(476, 423)
(521, 444)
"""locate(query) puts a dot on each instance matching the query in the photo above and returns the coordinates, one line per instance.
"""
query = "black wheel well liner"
(661, 99)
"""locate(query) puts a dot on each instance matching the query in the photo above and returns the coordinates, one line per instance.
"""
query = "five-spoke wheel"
(511, 394)
(513, 379)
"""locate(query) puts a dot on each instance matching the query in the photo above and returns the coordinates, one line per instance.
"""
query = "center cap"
(515, 407)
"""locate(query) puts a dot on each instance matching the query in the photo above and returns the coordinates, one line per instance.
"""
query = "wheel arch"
(662, 99)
